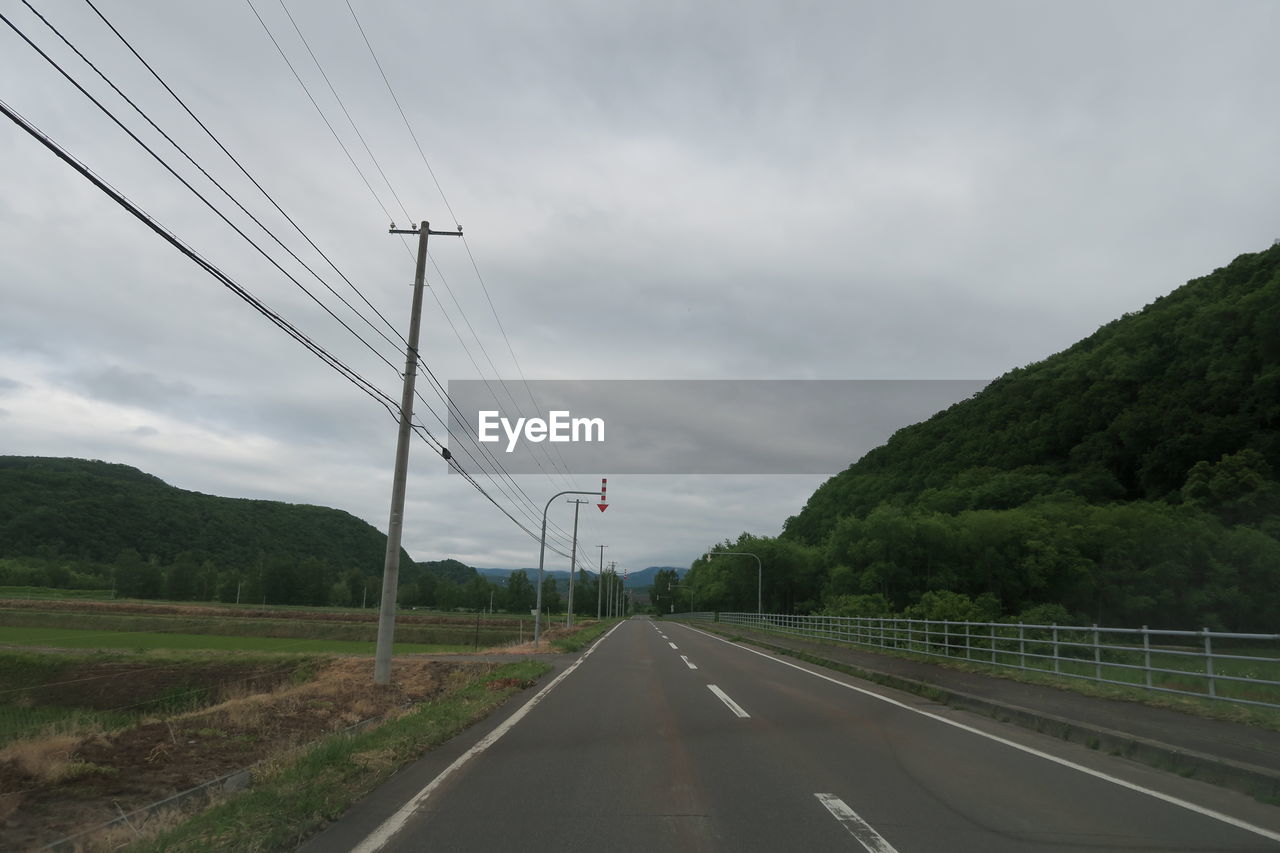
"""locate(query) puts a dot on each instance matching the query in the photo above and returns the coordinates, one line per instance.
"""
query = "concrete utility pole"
(600, 581)
(573, 558)
(391, 567)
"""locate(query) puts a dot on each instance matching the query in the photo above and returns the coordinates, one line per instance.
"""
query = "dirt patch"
(110, 685)
(53, 789)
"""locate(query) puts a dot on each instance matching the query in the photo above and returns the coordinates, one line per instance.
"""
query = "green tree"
(135, 577)
(550, 595)
(181, 578)
(662, 594)
(518, 597)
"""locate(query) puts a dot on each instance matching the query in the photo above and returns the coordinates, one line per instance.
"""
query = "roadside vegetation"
(85, 738)
(298, 793)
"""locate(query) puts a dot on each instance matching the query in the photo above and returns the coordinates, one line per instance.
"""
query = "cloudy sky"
(650, 190)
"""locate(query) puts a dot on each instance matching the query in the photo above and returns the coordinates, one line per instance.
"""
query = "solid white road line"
(724, 697)
(673, 645)
(687, 662)
(378, 839)
(858, 828)
(1097, 774)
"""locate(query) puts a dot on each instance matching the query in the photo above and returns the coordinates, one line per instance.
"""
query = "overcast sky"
(651, 190)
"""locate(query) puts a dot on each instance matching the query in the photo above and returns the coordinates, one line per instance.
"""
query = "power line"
(405, 118)
(391, 90)
(328, 124)
(338, 98)
(320, 352)
(215, 181)
(323, 117)
(333, 361)
(188, 185)
(242, 169)
(368, 150)
(203, 171)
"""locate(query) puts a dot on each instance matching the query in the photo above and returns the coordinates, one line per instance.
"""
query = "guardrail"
(1240, 668)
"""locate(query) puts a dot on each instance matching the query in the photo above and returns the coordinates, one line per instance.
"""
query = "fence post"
(1146, 652)
(1022, 647)
(1056, 665)
(967, 643)
(1097, 655)
(1208, 662)
(946, 638)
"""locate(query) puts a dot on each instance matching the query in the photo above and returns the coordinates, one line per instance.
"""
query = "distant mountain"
(79, 510)
(499, 576)
(641, 579)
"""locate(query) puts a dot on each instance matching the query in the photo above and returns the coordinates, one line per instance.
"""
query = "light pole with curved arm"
(542, 556)
(759, 575)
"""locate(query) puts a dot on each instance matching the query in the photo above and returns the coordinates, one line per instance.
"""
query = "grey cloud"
(659, 190)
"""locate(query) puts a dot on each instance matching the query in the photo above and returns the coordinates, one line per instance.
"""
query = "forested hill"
(90, 512)
(1125, 414)
(1128, 480)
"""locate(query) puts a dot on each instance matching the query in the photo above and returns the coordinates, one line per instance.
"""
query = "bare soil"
(54, 788)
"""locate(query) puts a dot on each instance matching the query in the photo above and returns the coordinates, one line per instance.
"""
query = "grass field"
(430, 629)
(50, 593)
(69, 638)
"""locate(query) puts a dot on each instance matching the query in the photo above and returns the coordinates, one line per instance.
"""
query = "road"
(667, 738)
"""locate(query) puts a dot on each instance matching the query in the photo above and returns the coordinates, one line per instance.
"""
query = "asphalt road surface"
(664, 738)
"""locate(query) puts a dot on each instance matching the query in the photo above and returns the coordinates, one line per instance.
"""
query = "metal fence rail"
(1240, 668)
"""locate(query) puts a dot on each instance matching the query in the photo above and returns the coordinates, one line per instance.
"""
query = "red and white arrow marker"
(604, 501)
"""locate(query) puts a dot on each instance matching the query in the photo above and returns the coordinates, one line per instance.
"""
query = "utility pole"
(573, 558)
(613, 585)
(600, 581)
(391, 567)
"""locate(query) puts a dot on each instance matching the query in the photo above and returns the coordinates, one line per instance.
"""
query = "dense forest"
(80, 524)
(1131, 479)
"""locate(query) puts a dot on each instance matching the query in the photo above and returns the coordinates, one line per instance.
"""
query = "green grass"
(306, 791)
(68, 638)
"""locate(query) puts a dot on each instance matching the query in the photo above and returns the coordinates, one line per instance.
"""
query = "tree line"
(284, 579)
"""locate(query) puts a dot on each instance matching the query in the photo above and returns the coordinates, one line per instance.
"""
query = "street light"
(542, 556)
(759, 574)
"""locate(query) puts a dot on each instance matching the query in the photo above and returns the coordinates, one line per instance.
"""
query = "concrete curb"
(1259, 782)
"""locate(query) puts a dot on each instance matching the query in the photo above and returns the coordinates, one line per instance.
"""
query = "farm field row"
(69, 638)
